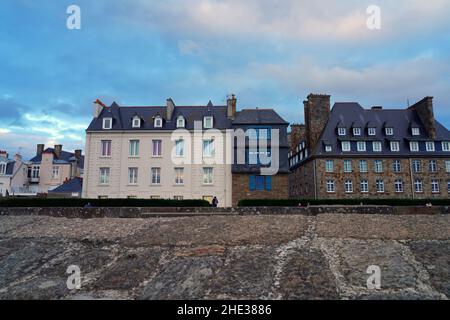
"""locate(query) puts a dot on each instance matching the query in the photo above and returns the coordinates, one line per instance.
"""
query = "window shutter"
(252, 183)
(268, 183)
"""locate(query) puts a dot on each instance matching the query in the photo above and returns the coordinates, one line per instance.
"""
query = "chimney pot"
(78, 154)
(40, 149)
(231, 107)
(58, 150)
(170, 109)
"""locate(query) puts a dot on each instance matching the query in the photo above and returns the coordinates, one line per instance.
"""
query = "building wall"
(19, 178)
(46, 180)
(241, 188)
(301, 182)
(119, 162)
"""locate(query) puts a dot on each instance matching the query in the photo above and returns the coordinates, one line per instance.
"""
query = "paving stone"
(8, 223)
(384, 226)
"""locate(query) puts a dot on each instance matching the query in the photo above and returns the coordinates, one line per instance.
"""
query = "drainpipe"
(412, 181)
(315, 182)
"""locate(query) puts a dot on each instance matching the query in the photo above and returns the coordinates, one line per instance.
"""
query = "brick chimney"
(231, 106)
(424, 109)
(40, 149)
(170, 109)
(4, 154)
(298, 133)
(78, 154)
(317, 111)
(58, 150)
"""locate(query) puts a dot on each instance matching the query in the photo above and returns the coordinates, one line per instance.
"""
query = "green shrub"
(348, 202)
(75, 202)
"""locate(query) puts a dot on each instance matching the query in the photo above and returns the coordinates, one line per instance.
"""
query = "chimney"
(78, 154)
(231, 106)
(17, 157)
(170, 109)
(58, 150)
(317, 111)
(4, 154)
(98, 107)
(298, 132)
(424, 109)
(40, 149)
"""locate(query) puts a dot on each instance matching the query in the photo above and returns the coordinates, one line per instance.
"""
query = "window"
(447, 166)
(348, 186)
(363, 166)
(107, 123)
(414, 146)
(156, 176)
(157, 148)
(329, 166)
(378, 166)
(104, 176)
(2, 168)
(361, 146)
(389, 131)
(379, 185)
(418, 185)
(181, 123)
(415, 131)
(207, 122)
(432, 166)
(346, 146)
(348, 166)
(435, 186)
(178, 198)
(397, 166)
(55, 172)
(328, 148)
(364, 185)
(35, 172)
(445, 145)
(158, 122)
(179, 148)
(398, 186)
(136, 122)
(260, 183)
(376, 145)
(106, 148)
(134, 148)
(417, 166)
(208, 148)
(356, 131)
(179, 179)
(342, 131)
(372, 131)
(330, 186)
(132, 175)
(430, 146)
(448, 186)
(395, 146)
(207, 175)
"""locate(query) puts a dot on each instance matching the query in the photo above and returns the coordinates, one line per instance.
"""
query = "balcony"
(27, 191)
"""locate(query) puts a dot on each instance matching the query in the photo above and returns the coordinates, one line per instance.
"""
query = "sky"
(270, 53)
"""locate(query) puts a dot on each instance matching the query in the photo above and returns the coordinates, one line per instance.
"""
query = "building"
(13, 174)
(51, 167)
(69, 189)
(170, 152)
(351, 152)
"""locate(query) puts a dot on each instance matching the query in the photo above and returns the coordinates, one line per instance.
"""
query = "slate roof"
(65, 158)
(71, 186)
(258, 116)
(348, 113)
(122, 117)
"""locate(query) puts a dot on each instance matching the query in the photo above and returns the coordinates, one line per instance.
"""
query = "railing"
(30, 190)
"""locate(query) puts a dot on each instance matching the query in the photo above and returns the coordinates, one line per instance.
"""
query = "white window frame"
(35, 172)
(415, 131)
(356, 131)
(395, 146)
(398, 186)
(208, 176)
(433, 166)
(208, 148)
(179, 148)
(363, 166)
(348, 186)
(206, 120)
(361, 146)
(348, 169)
(445, 145)
(418, 186)
(397, 166)
(416, 166)
(378, 166)
(389, 131)
(156, 176)
(154, 142)
(414, 146)
(2, 168)
(372, 131)
(106, 148)
(364, 186)
(55, 172)
(342, 131)
(379, 185)
(105, 121)
(158, 123)
(104, 176)
(133, 175)
(134, 148)
(181, 122)
(328, 148)
(431, 147)
(179, 176)
(435, 186)
(136, 122)
(379, 147)
(331, 188)
(447, 166)
(346, 143)
(329, 166)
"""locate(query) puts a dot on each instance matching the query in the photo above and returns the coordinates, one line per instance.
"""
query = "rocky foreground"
(226, 257)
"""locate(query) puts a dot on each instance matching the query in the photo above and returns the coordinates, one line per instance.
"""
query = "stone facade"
(241, 190)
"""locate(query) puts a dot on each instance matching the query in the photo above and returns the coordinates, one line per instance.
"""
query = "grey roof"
(71, 186)
(399, 119)
(122, 117)
(64, 158)
(258, 116)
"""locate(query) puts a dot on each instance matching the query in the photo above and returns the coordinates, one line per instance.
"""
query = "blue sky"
(270, 53)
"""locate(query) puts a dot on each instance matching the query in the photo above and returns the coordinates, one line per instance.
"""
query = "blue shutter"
(268, 183)
(252, 183)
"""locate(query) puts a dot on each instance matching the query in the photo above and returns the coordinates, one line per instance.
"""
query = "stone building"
(352, 152)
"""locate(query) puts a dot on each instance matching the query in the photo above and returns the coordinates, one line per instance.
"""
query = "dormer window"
(356, 131)
(181, 123)
(414, 146)
(107, 123)
(430, 146)
(158, 122)
(372, 131)
(415, 131)
(136, 122)
(208, 122)
(342, 131)
(389, 131)
(2, 168)
(328, 148)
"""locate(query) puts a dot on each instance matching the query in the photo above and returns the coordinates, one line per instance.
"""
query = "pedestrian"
(215, 202)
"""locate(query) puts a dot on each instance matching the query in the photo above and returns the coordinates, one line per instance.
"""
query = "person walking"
(215, 202)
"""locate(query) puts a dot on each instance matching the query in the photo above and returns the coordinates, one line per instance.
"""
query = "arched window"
(136, 122)
(158, 122)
